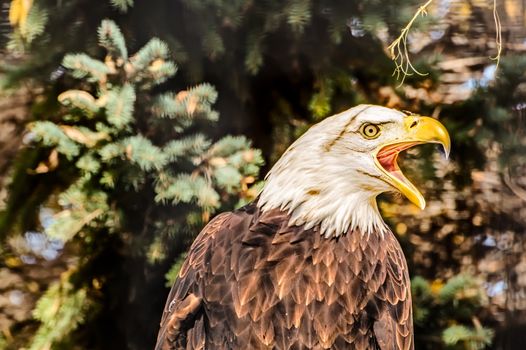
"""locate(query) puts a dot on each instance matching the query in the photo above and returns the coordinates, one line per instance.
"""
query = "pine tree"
(127, 148)
(446, 313)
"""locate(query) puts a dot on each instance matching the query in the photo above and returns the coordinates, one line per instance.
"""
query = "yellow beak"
(417, 130)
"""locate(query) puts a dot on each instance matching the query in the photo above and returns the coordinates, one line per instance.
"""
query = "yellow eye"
(370, 131)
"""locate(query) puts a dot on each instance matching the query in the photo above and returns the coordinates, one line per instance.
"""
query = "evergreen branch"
(83, 66)
(229, 145)
(459, 287)
(213, 44)
(120, 106)
(154, 50)
(60, 311)
(227, 177)
(474, 339)
(141, 151)
(122, 5)
(81, 100)
(254, 57)
(80, 208)
(108, 179)
(247, 161)
(68, 223)
(34, 24)
(51, 135)
(186, 147)
(83, 135)
(111, 151)
(88, 164)
(157, 250)
(160, 71)
(28, 20)
(187, 105)
(111, 38)
(205, 93)
(186, 188)
(150, 65)
(320, 103)
(299, 13)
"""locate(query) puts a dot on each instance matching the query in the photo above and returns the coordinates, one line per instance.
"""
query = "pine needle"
(399, 51)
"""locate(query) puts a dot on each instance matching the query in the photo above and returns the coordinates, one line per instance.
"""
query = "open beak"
(417, 130)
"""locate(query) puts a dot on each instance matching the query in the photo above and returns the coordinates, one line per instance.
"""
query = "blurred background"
(125, 125)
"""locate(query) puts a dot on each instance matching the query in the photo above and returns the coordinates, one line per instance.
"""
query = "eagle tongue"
(388, 155)
(388, 161)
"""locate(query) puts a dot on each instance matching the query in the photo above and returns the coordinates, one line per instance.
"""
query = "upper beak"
(427, 130)
(417, 130)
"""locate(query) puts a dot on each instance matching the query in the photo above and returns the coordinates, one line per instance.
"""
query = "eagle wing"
(394, 323)
(182, 323)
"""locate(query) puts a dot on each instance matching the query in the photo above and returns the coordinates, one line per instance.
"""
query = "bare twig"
(399, 51)
(498, 35)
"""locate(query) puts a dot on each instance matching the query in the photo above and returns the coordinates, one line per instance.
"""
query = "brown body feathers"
(252, 282)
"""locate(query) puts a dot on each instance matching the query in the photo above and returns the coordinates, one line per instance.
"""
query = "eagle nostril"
(413, 124)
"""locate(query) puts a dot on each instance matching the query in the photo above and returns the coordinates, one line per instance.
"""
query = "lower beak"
(417, 130)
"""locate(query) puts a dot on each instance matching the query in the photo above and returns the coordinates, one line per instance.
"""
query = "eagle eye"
(370, 131)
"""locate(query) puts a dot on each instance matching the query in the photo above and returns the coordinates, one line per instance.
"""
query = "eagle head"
(330, 177)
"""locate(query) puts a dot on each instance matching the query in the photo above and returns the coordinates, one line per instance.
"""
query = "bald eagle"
(310, 264)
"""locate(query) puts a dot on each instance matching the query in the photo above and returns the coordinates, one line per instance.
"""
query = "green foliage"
(192, 145)
(140, 150)
(188, 105)
(461, 287)
(298, 14)
(83, 66)
(254, 58)
(111, 38)
(504, 112)
(51, 135)
(149, 65)
(213, 44)
(474, 339)
(28, 25)
(122, 5)
(449, 310)
(320, 103)
(113, 137)
(82, 208)
(119, 107)
(60, 310)
(79, 99)
(188, 189)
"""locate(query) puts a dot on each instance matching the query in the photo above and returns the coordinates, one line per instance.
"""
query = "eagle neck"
(333, 211)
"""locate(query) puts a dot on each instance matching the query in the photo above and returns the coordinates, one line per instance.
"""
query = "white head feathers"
(328, 176)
